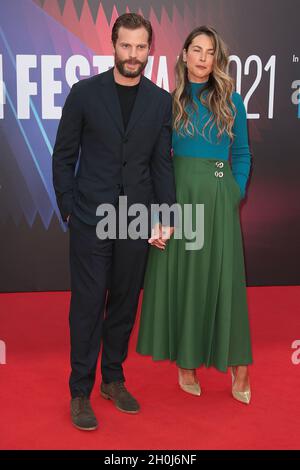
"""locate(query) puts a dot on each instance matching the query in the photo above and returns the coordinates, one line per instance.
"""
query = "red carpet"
(34, 396)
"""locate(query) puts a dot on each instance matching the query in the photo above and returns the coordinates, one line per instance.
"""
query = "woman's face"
(199, 58)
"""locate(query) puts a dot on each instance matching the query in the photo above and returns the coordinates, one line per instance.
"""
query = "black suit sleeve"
(162, 163)
(66, 152)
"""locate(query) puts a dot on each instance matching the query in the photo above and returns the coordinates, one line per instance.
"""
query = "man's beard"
(120, 64)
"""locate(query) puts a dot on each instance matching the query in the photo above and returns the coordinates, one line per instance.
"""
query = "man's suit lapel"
(111, 99)
(141, 104)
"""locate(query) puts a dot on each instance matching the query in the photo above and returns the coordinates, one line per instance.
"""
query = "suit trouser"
(106, 279)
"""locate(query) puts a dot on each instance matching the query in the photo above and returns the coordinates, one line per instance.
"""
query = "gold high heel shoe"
(193, 389)
(243, 397)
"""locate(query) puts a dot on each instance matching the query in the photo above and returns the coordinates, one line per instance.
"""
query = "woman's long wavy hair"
(215, 95)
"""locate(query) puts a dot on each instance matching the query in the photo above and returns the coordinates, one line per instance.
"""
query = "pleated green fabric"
(194, 308)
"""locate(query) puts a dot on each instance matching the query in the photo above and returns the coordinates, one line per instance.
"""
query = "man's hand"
(68, 218)
(159, 235)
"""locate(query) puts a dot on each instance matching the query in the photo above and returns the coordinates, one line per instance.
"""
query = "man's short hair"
(131, 21)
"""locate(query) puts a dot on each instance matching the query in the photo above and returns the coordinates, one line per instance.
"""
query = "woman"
(194, 308)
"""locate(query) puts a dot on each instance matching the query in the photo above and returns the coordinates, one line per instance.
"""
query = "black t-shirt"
(127, 95)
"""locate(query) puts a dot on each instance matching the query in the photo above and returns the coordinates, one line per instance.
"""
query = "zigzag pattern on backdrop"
(122, 6)
(92, 20)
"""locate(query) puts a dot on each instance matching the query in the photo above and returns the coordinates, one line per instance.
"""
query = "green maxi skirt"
(194, 307)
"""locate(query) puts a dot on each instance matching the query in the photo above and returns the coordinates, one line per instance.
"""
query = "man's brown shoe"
(117, 392)
(82, 414)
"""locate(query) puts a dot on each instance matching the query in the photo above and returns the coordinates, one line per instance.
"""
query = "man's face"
(131, 51)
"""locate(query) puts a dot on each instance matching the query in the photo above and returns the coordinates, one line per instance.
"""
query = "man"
(120, 123)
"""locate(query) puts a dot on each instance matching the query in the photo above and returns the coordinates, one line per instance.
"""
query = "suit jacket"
(110, 157)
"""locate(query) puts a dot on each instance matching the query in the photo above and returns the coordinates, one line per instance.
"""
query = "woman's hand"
(160, 235)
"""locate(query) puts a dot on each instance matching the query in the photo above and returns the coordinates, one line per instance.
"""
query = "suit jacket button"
(124, 163)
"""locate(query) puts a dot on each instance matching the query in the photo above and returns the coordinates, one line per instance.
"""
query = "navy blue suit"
(107, 275)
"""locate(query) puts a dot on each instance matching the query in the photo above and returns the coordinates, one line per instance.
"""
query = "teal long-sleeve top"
(211, 147)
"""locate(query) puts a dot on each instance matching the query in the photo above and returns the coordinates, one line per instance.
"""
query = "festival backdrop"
(47, 45)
